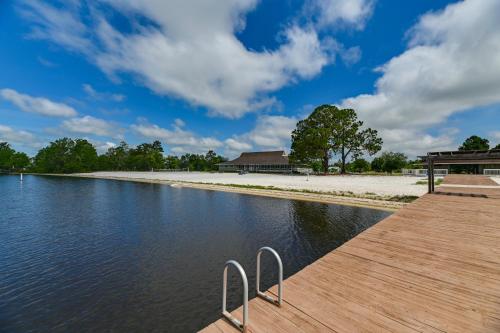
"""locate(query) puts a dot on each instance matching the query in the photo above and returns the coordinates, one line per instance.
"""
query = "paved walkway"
(433, 266)
(470, 185)
(468, 180)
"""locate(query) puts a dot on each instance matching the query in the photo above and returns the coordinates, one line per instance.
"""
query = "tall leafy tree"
(212, 160)
(359, 165)
(116, 158)
(332, 131)
(146, 156)
(66, 156)
(475, 143)
(6, 153)
(193, 162)
(12, 160)
(389, 162)
(20, 161)
(54, 157)
(83, 157)
(172, 162)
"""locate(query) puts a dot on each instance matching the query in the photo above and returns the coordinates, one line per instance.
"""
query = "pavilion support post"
(432, 177)
(429, 173)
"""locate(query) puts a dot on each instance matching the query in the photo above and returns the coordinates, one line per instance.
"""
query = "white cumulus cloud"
(91, 125)
(190, 50)
(21, 138)
(237, 146)
(269, 133)
(334, 13)
(272, 131)
(178, 139)
(495, 135)
(452, 64)
(38, 105)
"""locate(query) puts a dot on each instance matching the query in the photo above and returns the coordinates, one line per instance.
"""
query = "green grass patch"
(438, 181)
(349, 194)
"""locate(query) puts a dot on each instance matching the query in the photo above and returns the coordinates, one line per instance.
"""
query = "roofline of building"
(463, 157)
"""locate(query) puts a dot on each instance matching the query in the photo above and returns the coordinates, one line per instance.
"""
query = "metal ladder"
(280, 277)
(242, 325)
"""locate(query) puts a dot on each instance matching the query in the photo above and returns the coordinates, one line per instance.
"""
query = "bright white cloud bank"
(189, 50)
(496, 137)
(452, 64)
(38, 105)
(270, 132)
(9, 134)
(178, 139)
(20, 139)
(92, 125)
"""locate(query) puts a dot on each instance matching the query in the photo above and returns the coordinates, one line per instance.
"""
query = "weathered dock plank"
(434, 266)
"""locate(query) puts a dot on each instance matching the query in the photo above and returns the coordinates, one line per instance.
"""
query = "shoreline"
(279, 193)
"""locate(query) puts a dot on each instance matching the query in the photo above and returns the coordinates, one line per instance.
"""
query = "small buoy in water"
(21, 177)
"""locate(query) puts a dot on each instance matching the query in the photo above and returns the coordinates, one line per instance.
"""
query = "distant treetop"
(475, 143)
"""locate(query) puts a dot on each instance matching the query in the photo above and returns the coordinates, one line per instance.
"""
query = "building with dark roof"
(263, 161)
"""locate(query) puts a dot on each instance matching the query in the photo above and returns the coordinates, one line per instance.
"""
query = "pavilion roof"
(464, 157)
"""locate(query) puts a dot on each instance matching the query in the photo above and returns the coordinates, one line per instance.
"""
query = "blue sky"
(237, 75)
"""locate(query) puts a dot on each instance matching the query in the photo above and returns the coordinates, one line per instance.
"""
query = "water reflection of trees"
(326, 225)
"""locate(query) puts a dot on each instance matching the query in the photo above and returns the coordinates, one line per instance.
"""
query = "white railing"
(414, 172)
(491, 172)
(304, 171)
(441, 172)
(423, 172)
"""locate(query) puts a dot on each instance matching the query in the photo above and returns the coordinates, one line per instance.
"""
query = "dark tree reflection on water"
(326, 227)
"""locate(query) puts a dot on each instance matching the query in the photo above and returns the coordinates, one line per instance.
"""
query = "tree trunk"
(342, 169)
(325, 163)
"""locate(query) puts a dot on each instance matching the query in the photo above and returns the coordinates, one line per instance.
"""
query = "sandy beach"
(380, 192)
(384, 192)
(378, 185)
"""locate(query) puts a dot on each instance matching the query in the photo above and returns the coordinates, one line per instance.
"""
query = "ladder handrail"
(243, 324)
(280, 277)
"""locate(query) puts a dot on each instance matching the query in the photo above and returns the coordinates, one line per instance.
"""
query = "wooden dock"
(433, 266)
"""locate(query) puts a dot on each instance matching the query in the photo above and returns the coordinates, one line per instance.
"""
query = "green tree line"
(11, 160)
(387, 162)
(68, 155)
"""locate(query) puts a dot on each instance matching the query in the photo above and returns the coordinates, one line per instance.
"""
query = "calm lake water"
(81, 255)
